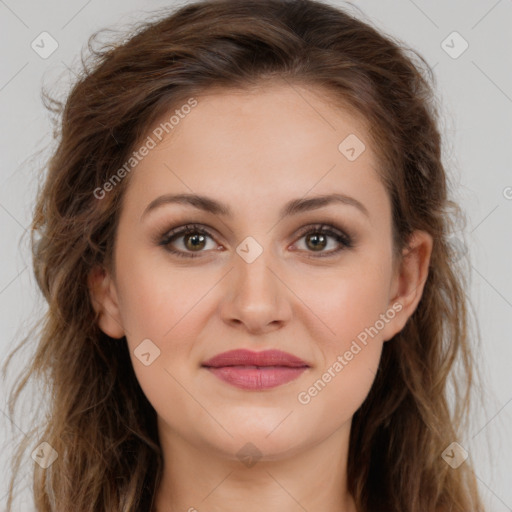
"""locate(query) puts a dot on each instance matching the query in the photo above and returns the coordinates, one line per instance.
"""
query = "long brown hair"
(100, 423)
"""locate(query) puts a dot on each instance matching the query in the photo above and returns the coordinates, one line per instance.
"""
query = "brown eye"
(317, 238)
(316, 241)
(186, 240)
(194, 241)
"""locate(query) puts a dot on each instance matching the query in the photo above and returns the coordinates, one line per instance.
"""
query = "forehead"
(278, 141)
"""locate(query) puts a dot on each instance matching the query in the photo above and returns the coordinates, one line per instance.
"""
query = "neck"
(198, 479)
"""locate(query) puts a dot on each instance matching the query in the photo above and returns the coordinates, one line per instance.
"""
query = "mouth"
(256, 370)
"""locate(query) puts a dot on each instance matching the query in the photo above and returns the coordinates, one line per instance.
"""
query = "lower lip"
(257, 378)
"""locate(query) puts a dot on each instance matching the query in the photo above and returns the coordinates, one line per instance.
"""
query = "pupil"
(315, 240)
(196, 240)
(195, 243)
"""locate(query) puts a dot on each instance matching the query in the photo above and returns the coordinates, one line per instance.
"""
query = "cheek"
(334, 395)
(162, 304)
(158, 297)
(355, 307)
(347, 302)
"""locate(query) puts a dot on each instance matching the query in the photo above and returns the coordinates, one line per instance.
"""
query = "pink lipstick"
(256, 370)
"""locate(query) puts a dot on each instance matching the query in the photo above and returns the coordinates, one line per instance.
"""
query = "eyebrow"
(215, 207)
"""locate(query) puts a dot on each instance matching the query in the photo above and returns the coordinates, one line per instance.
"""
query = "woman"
(243, 242)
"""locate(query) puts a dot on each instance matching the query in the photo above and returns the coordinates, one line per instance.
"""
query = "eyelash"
(324, 229)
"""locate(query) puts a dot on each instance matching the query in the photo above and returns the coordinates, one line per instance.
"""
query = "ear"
(104, 301)
(409, 281)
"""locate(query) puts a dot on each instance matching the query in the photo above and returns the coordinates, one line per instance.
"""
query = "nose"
(255, 297)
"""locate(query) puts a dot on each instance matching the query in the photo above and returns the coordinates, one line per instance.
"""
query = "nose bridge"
(254, 278)
(256, 296)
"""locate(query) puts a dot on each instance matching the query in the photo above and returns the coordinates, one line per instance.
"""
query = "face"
(315, 281)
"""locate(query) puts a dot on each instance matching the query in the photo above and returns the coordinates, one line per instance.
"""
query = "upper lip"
(244, 357)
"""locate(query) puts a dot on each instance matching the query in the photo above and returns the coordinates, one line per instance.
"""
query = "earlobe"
(103, 297)
(409, 281)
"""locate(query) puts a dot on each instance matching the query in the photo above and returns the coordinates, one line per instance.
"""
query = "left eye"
(316, 237)
(194, 239)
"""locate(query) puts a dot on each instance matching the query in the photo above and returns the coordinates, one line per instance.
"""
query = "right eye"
(194, 237)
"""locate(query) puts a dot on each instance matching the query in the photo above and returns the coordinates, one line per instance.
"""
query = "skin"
(256, 150)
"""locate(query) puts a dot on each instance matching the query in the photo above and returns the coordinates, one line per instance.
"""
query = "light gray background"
(475, 91)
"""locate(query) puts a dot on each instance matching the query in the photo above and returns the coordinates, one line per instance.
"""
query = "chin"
(264, 443)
